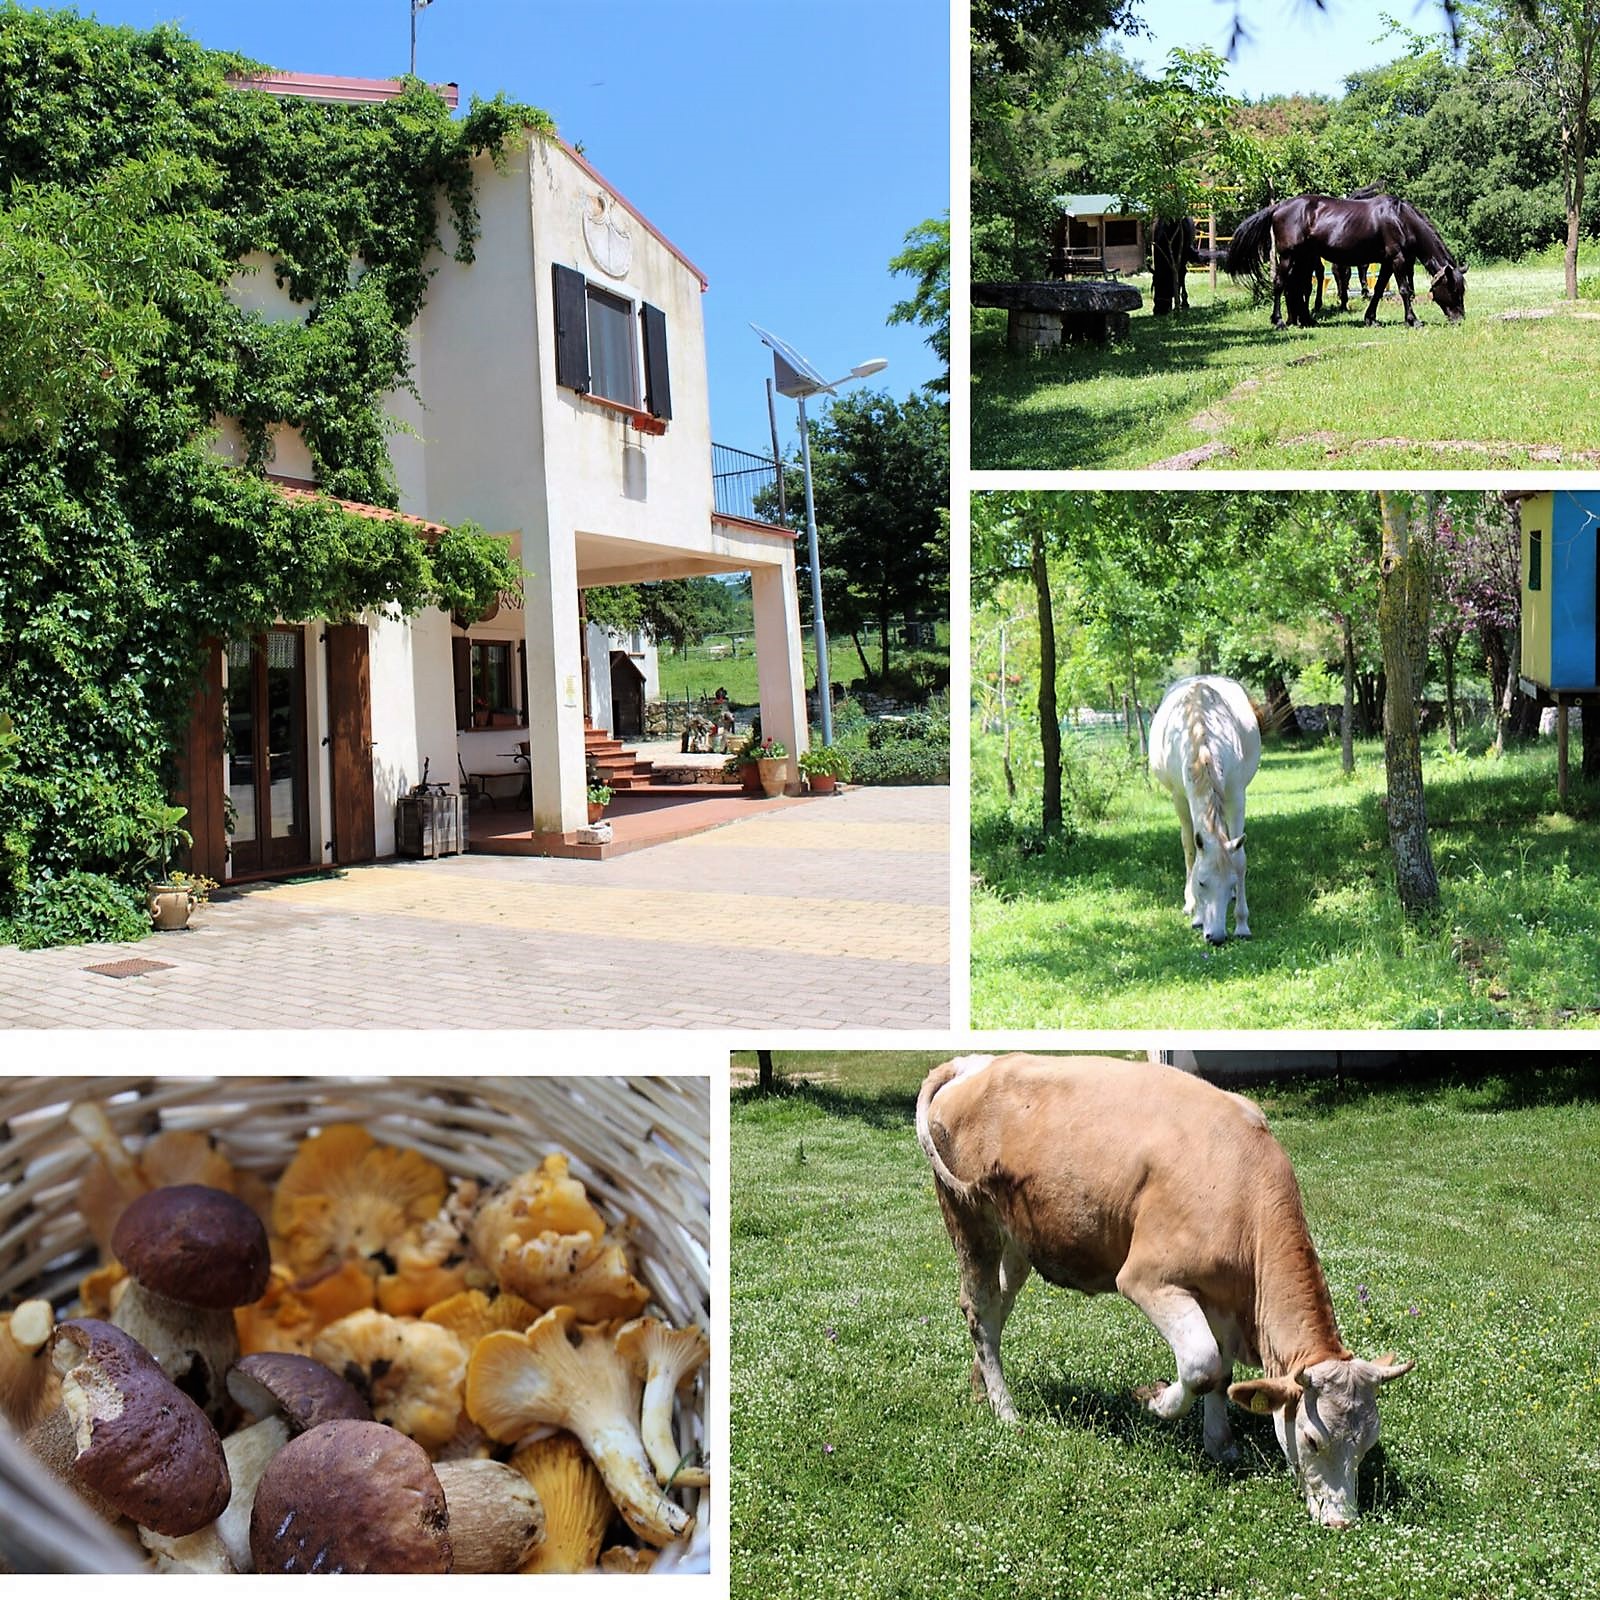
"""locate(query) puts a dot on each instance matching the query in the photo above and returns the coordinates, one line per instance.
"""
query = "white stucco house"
(564, 405)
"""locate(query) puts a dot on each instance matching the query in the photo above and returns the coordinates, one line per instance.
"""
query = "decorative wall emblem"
(606, 232)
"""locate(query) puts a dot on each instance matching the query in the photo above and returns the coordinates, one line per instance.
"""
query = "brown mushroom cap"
(301, 1390)
(196, 1245)
(142, 1443)
(350, 1496)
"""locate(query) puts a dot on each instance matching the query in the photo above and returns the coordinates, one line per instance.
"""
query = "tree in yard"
(880, 472)
(1402, 614)
(1553, 46)
(1012, 535)
(926, 258)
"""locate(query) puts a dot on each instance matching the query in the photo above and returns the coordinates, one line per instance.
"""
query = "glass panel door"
(242, 755)
(267, 759)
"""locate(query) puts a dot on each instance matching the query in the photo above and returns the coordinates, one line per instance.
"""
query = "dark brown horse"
(1313, 228)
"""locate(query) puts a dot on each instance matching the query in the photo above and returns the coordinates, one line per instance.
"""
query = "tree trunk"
(1135, 721)
(1577, 140)
(1347, 747)
(1590, 770)
(764, 1068)
(1049, 719)
(861, 654)
(1415, 878)
(1005, 723)
(883, 645)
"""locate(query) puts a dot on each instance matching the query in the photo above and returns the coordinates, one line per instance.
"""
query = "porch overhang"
(730, 544)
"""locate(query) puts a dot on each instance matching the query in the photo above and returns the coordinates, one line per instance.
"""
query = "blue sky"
(786, 149)
(1292, 46)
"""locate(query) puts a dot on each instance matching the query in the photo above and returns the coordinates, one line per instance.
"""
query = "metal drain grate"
(133, 967)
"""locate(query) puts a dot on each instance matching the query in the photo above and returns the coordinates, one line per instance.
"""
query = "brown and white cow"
(1103, 1174)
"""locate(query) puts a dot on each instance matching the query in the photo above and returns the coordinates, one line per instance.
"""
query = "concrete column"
(780, 668)
(555, 681)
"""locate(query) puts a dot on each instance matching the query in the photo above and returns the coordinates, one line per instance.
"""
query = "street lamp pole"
(795, 377)
(819, 631)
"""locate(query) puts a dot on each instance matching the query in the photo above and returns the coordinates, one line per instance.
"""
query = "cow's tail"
(956, 1187)
(1250, 248)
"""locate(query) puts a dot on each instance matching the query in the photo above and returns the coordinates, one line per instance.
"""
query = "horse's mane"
(1429, 232)
(1205, 775)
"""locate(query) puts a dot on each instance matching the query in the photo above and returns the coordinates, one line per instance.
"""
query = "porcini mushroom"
(27, 1378)
(567, 1374)
(286, 1394)
(192, 1254)
(138, 1442)
(577, 1507)
(350, 1496)
(410, 1373)
(496, 1519)
(346, 1196)
(666, 1359)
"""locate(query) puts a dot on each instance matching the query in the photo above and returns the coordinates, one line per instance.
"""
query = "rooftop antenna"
(416, 6)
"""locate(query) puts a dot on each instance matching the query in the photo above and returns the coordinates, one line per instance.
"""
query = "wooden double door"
(268, 782)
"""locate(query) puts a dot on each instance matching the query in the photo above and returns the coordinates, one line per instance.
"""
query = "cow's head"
(1214, 882)
(1327, 1419)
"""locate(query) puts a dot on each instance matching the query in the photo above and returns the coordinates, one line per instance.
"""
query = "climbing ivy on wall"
(133, 180)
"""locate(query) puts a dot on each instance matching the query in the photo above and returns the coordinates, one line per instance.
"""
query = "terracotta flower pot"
(822, 782)
(774, 773)
(596, 812)
(750, 776)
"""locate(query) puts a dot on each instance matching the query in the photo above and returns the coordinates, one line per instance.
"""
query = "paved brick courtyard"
(828, 915)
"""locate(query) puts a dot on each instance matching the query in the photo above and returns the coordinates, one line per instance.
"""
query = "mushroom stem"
(193, 1345)
(91, 1124)
(655, 1425)
(26, 1375)
(616, 1449)
(496, 1519)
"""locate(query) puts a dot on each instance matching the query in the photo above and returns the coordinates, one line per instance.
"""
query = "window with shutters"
(487, 674)
(608, 347)
(613, 372)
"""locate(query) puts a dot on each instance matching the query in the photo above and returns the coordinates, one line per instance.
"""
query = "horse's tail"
(1251, 247)
(957, 1188)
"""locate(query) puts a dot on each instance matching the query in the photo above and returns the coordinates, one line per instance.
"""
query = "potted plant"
(826, 766)
(171, 896)
(599, 799)
(743, 763)
(772, 759)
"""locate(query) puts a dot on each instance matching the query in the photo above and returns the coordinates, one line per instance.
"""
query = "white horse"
(1205, 746)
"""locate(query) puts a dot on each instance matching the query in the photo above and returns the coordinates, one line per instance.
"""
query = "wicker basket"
(640, 1145)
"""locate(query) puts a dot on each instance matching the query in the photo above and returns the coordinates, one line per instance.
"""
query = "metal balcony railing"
(745, 485)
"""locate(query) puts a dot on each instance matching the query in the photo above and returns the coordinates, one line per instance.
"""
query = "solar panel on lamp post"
(795, 377)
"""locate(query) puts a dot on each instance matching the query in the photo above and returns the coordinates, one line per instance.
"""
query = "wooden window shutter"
(572, 329)
(461, 653)
(522, 661)
(657, 391)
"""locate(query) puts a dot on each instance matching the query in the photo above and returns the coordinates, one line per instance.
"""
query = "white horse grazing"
(1205, 746)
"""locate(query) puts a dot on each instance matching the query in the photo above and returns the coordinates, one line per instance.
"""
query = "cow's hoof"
(1241, 933)
(1148, 1393)
(1227, 1455)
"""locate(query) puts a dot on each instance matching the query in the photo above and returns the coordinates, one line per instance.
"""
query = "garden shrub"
(132, 179)
(78, 908)
(904, 761)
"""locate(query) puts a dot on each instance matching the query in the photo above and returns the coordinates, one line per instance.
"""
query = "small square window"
(1535, 560)
(613, 367)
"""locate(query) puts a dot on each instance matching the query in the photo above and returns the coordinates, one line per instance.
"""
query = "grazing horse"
(1310, 228)
(1341, 269)
(1173, 249)
(1205, 746)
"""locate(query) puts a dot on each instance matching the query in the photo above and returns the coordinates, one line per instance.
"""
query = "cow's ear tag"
(1260, 1404)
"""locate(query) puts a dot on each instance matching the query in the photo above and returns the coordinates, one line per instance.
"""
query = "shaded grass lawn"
(1091, 933)
(1316, 397)
(861, 1468)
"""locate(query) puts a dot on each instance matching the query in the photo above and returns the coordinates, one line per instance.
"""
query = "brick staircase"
(619, 767)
